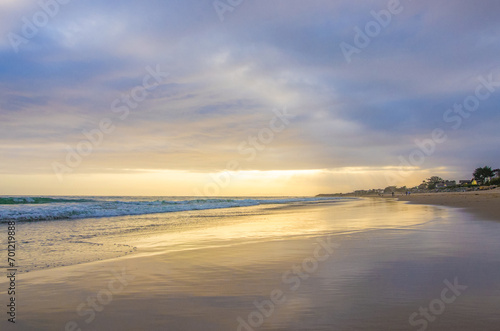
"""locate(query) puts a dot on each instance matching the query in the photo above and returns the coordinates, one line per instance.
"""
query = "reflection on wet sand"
(359, 265)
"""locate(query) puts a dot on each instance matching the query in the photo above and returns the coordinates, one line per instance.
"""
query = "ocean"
(29, 209)
(65, 230)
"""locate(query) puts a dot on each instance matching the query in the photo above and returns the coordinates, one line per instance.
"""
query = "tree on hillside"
(481, 174)
(431, 182)
(435, 180)
(390, 189)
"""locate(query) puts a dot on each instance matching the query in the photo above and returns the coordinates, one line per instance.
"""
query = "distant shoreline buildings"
(433, 184)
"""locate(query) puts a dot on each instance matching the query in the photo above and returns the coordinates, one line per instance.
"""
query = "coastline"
(356, 263)
(483, 204)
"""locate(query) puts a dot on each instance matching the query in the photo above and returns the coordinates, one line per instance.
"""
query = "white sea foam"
(45, 209)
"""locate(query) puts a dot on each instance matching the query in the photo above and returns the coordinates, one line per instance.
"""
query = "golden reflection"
(275, 222)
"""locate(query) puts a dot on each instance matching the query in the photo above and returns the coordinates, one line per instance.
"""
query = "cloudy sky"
(251, 97)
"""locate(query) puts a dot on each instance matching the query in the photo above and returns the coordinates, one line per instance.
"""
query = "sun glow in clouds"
(344, 130)
(154, 182)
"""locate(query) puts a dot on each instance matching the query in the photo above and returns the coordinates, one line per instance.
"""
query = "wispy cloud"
(226, 77)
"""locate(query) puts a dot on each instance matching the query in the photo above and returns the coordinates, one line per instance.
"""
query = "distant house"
(465, 182)
(446, 183)
(497, 173)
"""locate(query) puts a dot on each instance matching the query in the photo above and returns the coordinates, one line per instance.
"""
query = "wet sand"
(364, 265)
(485, 204)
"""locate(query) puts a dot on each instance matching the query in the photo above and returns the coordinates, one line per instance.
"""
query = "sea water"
(57, 231)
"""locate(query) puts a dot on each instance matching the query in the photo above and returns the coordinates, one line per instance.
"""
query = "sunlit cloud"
(352, 122)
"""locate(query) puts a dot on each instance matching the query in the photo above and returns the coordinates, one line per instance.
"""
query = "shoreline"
(356, 263)
(484, 204)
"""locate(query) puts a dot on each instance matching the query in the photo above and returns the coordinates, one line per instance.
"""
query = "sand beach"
(484, 204)
(365, 264)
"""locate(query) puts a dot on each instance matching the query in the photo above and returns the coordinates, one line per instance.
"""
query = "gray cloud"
(225, 79)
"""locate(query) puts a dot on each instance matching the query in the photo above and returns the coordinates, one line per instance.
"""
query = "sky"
(245, 97)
